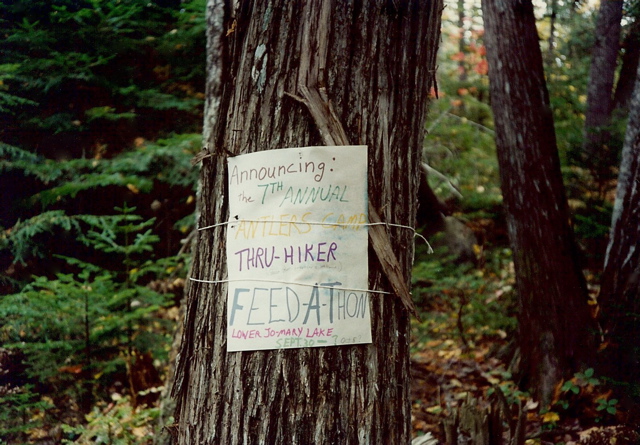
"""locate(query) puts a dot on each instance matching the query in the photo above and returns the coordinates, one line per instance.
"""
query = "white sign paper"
(297, 249)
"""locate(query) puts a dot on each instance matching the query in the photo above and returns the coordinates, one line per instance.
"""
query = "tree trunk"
(166, 430)
(462, 43)
(601, 77)
(630, 61)
(551, 49)
(620, 289)
(375, 60)
(554, 324)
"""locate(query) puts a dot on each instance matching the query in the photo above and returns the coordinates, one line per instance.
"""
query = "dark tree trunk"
(620, 289)
(554, 323)
(630, 60)
(601, 77)
(375, 61)
(551, 49)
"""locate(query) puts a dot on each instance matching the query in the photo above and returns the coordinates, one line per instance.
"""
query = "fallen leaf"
(139, 431)
(550, 417)
(531, 405)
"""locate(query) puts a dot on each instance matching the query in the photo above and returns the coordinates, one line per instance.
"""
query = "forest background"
(100, 115)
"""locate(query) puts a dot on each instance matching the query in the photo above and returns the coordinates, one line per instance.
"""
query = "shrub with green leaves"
(474, 301)
(81, 331)
(98, 71)
(115, 423)
(163, 165)
(22, 412)
(96, 97)
(100, 106)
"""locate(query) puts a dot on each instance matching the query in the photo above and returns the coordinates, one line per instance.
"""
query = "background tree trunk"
(554, 324)
(629, 66)
(551, 48)
(215, 16)
(377, 71)
(620, 289)
(601, 77)
(462, 44)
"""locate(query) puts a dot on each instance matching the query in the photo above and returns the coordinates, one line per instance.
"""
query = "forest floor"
(449, 370)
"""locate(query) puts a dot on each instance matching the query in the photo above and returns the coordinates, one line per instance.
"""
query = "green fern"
(16, 154)
(107, 113)
(85, 323)
(91, 182)
(167, 161)
(100, 73)
(10, 102)
(22, 239)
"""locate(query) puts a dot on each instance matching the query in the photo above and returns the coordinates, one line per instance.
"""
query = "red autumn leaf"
(72, 369)
(482, 68)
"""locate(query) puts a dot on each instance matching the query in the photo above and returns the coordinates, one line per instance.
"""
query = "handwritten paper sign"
(297, 249)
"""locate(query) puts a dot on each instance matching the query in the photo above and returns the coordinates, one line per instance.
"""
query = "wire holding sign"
(297, 249)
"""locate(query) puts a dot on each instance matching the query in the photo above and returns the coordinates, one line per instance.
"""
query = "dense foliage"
(98, 99)
(100, 114)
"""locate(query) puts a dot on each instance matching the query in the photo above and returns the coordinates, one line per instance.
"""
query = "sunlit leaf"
(550, 417)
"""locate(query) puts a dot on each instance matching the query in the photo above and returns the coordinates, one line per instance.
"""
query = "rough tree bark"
(628, 68)
(370, 65)
(620, 288)
(601, 78)
(554, 323)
